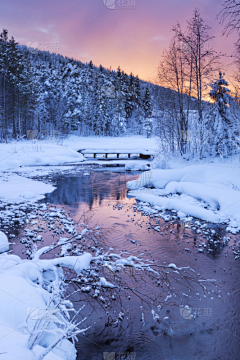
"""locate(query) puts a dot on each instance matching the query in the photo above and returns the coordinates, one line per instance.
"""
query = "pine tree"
(49, 93)
(220, 122)
(147, 113)
(72, 98)
(223, 134)
(4, 50)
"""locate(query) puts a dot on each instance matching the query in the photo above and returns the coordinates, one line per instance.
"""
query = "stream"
(213, 333)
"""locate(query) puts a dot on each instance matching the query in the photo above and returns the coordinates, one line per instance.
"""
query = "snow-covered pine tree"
(138, 111)
(72, 97)
(102, 104)
(221, 120)
(50, 93)
(147, 113)
(119, 114)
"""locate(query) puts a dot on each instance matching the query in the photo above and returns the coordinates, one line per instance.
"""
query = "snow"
(15, 155)
(17, 189)
(33, 153)
(128, 143)
(135, 165)
(209, 192)
(109, 150)
(23, 294)
(77, 263)
(4, 245)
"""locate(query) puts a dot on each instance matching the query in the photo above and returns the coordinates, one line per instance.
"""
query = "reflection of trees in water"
(90, 189)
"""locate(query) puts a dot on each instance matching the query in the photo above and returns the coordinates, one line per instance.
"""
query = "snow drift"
(210, 192)
(26, 288)
(135, 165)
(4, 245)
(17, 189)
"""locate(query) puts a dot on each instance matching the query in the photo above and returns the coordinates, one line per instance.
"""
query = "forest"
(190, 108)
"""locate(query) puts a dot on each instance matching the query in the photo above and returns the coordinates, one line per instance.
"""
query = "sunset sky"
(132, 37)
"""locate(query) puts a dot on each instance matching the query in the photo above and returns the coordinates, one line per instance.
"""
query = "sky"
(131, 34)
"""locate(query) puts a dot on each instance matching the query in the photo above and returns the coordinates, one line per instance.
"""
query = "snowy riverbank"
(15, 155)
(209, 191)
(32, 316)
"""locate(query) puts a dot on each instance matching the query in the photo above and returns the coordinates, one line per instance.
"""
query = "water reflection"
(90, 188)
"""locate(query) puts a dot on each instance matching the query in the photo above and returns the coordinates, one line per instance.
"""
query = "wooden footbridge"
(113, 154)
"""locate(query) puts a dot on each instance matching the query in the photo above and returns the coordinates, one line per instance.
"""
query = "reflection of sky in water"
(90, 189)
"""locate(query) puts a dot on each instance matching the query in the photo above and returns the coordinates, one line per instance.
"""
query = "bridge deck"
(136, 153)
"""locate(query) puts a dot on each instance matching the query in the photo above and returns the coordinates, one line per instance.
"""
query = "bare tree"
(172, 74)
(206, 61)
(187, 67)
(230, 16)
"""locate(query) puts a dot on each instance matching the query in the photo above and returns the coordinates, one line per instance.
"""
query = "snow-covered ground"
(33, 153)
(209, 191)
(33, 313)
(18, 189)
(58, 152)
(28, 310)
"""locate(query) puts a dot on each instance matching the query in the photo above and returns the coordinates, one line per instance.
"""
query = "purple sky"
(88, 30)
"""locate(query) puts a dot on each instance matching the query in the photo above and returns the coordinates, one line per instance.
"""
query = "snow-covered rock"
(136, 165)
(4, 245)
